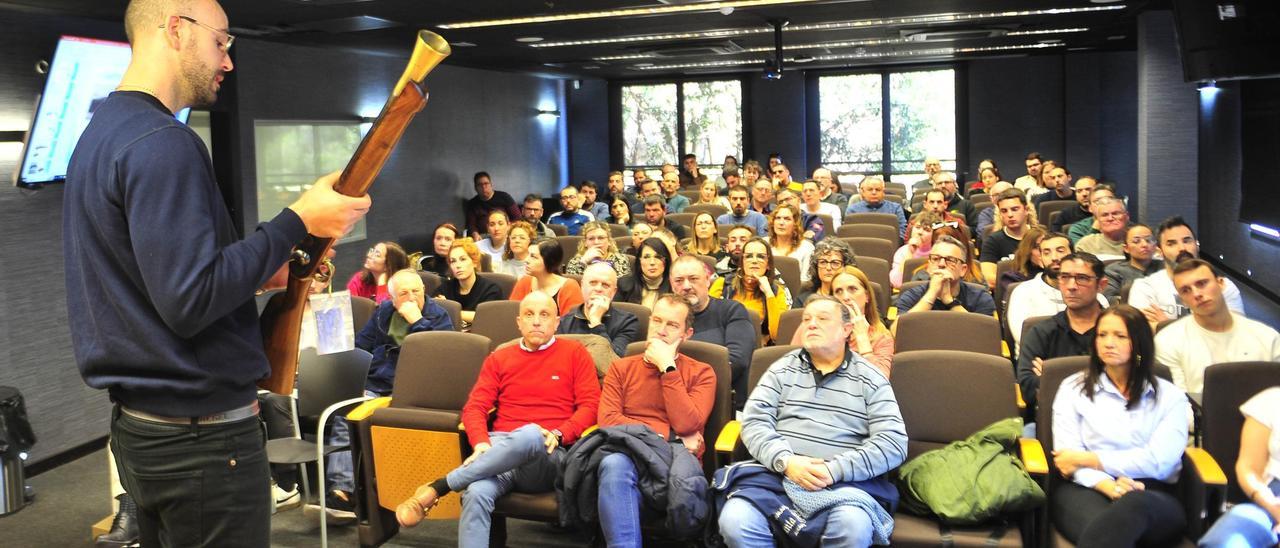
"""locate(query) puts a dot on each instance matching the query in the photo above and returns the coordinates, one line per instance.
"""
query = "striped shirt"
(848, 417)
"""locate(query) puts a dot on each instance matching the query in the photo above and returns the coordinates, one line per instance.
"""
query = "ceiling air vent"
(694, 48)
(928, 35)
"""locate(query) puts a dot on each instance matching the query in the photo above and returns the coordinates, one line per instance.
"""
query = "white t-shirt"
(802, 253)
(1032, 298)
(1189, 349)
(1264, 407)
(825, 208)
(1158, 289)
(495, 253)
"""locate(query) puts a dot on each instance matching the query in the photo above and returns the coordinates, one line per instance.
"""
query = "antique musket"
(282, 318)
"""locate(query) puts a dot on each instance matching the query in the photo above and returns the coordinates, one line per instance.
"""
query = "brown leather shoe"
(411, 512)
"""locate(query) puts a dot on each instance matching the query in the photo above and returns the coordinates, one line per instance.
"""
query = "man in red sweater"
(546, 395)
(668, 392)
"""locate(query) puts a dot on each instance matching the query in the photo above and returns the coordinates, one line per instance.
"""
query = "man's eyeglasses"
(949, 261)
(224, 46)
(1079, 279)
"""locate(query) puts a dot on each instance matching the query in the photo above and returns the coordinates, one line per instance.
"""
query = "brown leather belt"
(234, 415)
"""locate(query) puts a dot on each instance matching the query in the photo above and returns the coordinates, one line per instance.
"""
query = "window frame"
(360, 230)
(617, 139)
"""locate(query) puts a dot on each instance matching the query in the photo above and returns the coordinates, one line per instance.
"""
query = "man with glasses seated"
(596, 316)
(1113, 219)
(1083, 189)
(947, 290)
(1068, 333)
(956, 203)
(936, 201)
(571, 217)
(1040, 296)
(408, 311)
(872, 192)
(781, 178)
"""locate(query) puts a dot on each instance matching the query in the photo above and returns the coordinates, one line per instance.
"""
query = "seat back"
(569, 245)
(623, 242)
(880, 248)
(1027, 324)
(896, 188)
(930, 385)
(859, 230)
(911, 266)
(876, 269)
(454, 309)
(325, 379)
(559, 230)
(788, 323)
(683, 219)
(641, 312)
(1226, 387)
(716, 210)
(789, 268)
(430, 281)
(895, 198)
(1052, 373)
(618, 231)
(887, 219)
(692, 194)
(947, 330)
(425, 381)
(882, 298)
(1049, 207)
(497, 321)
(361, 310)
(505, 282)
(980, 205)
(707, 260)
(762, 358)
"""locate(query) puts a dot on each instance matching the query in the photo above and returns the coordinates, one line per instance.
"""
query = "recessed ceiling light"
(934, 18)
(591, 67)
(857, 55)
(1103, 1)
(462, 44)
(644, 64)
(626, 12)
(1116, 37)
(529, 39)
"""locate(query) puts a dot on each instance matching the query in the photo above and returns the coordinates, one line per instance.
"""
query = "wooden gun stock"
(282, 318)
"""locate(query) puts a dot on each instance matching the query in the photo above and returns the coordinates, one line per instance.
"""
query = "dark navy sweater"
(159, 285)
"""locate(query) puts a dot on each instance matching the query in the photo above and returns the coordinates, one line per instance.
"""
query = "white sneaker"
(285, 500)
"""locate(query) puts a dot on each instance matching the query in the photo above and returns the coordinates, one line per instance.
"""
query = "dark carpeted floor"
(72, 497)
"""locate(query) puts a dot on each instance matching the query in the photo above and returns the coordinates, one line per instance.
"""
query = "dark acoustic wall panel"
(777, 117)
(35, 341)
(1220, 172)
(1166, 124)
(588, 118)
(474, 120)
(1118, 138)
(1015, 107)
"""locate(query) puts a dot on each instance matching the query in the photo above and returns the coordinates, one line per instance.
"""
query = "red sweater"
(555, 388)
(634, 393)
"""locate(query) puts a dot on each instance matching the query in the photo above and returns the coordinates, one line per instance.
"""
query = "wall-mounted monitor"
(1228, 39)
(83, 72)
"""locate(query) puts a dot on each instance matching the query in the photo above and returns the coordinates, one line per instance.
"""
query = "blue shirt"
(752, 219)
(572, 221)
(599, 210)
(884, 207)
(1144, 442)
(677, 203)
(972, 297)
(159, 284)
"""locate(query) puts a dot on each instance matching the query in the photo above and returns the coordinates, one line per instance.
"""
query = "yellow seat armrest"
(1004, 349)
(1033, 458)
(588, 431)
(892, 314)
(367, 408)
(1017, 391)
(728, 437)
(1206, 467)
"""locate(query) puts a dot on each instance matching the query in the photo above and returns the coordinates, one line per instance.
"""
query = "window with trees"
(887, 123)
(290, 156)
(663, 122)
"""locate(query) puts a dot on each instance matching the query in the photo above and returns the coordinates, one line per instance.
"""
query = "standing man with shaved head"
(160, 287)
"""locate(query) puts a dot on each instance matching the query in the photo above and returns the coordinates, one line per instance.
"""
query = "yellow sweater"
(769, 311)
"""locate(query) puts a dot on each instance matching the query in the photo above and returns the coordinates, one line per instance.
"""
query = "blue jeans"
(619, 501)
(338, 470)
(516, 461)
(195, 485)
(1243, 526)
(743, 526)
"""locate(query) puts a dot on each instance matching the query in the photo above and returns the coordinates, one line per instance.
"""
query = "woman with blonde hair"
(709, 193)
(597, 244)
(519, 237)
(706, 236)
(871, 339)
(757, 285)
(786, 238)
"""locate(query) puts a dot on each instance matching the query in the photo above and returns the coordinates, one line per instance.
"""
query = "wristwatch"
(780, 463)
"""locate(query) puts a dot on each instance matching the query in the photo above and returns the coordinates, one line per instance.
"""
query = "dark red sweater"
(555, 388)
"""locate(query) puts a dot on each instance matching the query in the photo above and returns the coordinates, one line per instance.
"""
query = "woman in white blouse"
(1119, 434)
(1258, 472)
(786, 239)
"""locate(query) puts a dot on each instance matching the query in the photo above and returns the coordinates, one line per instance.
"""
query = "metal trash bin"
(16, 438)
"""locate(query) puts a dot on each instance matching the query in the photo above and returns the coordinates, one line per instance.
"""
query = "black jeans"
(195, 485)
(1151, 517)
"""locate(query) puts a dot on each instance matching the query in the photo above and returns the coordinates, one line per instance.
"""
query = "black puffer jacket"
(669, 476)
